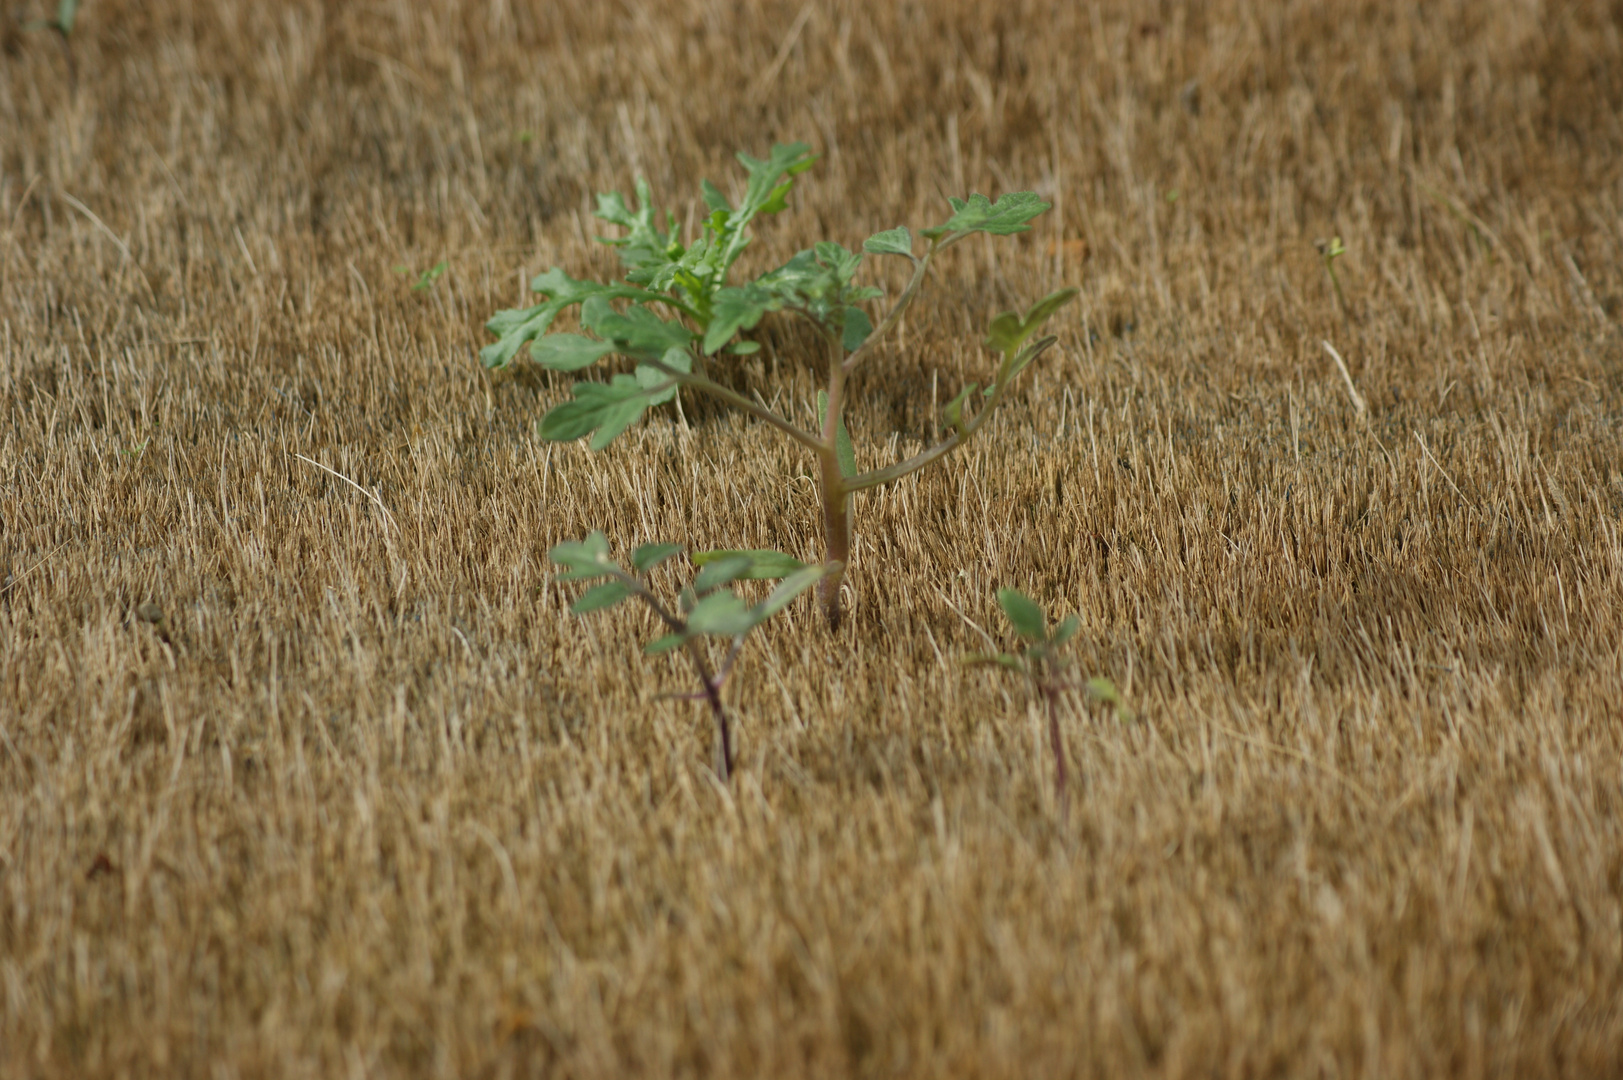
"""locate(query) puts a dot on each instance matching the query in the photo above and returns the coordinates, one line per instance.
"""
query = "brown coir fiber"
(301, 781)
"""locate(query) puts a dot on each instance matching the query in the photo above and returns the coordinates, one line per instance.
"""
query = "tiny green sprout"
(427, 278)
(707, 607)
(137, 450)
(66, 12)
(1329, 252)
(676, 310)
(526, 136)
(1042, 662)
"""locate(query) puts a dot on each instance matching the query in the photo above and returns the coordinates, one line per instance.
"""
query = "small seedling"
(66, 12)
(678, 312)
(427, 278)
(706, 608)
(1048, 670)
(1329, 252)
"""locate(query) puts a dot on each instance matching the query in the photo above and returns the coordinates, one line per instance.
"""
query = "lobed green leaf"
(660, 385)
(857, 328)
(517, 327)
(568, 352)
(1009, 330)
(736, 309)
(765, 564)
(1005, 217)
(604, 408)
(897, 241)
(636, 332)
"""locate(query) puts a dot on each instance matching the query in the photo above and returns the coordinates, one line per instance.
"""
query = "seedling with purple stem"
(706, 608)
(1048, 671)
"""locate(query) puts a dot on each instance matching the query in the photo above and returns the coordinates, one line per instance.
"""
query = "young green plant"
(1329, 252)
(1048, 670)
(706, 608)
(66, 12)
(677, 312)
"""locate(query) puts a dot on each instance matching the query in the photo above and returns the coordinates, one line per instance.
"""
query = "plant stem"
(1056, 740)
(894, 316)
(737, 401)
(903, 468)
(712, 686)
(836, 495)
(712, 694)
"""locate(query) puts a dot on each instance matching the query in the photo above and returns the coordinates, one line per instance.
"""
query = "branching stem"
(711, 683)
(738, 401)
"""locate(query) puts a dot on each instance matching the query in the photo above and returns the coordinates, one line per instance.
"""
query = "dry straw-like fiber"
(291, 785)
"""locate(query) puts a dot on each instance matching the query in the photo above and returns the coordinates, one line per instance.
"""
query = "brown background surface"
(367, 801)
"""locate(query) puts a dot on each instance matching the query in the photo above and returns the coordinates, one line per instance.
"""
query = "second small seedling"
(706, 608)
(1049, 671)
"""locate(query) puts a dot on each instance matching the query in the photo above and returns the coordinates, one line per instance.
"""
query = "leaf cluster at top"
(677, 297)
(707, 606)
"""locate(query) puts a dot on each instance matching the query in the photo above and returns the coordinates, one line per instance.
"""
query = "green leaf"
(765, 564)
(606, 408)
(1024, 614)
(722, 614)
(842, 438)
(1103, 690)
(568, 352)
(637, 332)
(645, 248)
(857, 328)
(1005, 217)
(66, 12)
(744, 348)
(719, 572)
(713, 198)
(789, 159)
(736, 309)
(791, 587)
(778, 199)
(837, 260)
(954, 412)
(599, 597)
(648, 556)
(429, 276)
(516, 327)
(1010, 330)
(660, 386)
(1012, 366)
(897, 241)
(665, 644)
(586, 559)
(1066, 630)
